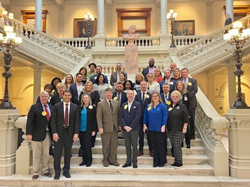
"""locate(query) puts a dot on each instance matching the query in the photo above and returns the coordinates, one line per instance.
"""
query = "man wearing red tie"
(65, 129)
(38, 131)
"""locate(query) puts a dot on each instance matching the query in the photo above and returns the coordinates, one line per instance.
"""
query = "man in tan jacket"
(108, 120)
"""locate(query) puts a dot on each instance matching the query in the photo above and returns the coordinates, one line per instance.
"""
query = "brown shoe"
(151, 154)
(140, 153)
(115, 164)
(48, 174)
(105, 164)
(34, 177)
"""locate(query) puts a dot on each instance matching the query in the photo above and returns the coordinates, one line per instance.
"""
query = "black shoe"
(66, 174)
(176, 165)
(182, 144)
(127, 164)
(88, 164)
(82, 164)
(135, 165)
(188, 146)
(57, 176)
(155, 165)
(161, 165)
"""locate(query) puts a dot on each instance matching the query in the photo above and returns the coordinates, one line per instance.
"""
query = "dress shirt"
(151, 70)
(47, 108)
(166, 96)
(129, 105)
(64, 108)
(83, 120)
(145, 93)
(79, 90)
(186, 82)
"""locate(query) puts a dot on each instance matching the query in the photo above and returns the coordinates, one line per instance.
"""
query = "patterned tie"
(47, 112)
(66, 116)
(111, 106)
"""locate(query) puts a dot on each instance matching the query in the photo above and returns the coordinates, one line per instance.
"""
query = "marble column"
(163, 16)
(60, 20)
(37, 82)
(38, 14)
(157, 22)
(209, 16)
(230, 8)
(100, 22)
(211, 89)
(109, 18)
(231, 84)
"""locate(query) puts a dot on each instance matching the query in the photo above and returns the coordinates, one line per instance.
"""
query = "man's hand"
(29, 137)
(127, 128)
(55, 137)
(101, 130)
(75, 138)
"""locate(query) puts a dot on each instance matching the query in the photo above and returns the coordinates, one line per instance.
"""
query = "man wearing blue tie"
(165, 96)
(130, 117)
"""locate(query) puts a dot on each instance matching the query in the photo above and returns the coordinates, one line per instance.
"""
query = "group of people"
(155, 105)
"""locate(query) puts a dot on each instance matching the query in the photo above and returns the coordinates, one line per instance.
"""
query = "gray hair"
(44, 93)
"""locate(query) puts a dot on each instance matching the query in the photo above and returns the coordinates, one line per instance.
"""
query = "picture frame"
(80, 24)
(184, 27)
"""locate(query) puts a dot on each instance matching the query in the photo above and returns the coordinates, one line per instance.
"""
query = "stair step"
(145, 169)
(145, 159)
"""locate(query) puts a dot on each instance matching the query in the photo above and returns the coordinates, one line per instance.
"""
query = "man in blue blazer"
(76, 89)
(130, 117)
(98, 71)
(165, 96)
(167, 79)
(119, 95)
(192, 88)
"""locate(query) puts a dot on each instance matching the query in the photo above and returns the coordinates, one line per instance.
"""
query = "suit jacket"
(186, 101)
(75, 99)
(172, 86)
(192, 89)
(93, 78)
(228, 21)
(106, 118)
(143, 104)
(55, 99)
(131, 118)
(113, 77)
(95, 97)
(145, 71)
(164, 101)
(58, 119)
(36, 122)
(123, 99)
(91, 119)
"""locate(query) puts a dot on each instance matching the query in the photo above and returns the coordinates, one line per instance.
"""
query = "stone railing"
(79, 43)
(181, 41)
(206, 43)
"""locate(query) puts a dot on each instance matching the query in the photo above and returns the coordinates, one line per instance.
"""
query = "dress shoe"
(66, 174)
(155, 165)
(34, 177)
(57, 176)
(135, 165)
(48, 174)
(115, 164)
(151, 154)
(161, 165)
(127, 164)
(140, 153)
(82, 164)
(188, 146)
(105, 164)
(88, 164)
(176, 165)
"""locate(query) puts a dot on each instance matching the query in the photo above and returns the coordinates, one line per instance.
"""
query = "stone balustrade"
(79, 43)
(181, 41)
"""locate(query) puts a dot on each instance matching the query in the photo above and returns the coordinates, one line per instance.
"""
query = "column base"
(8, 134)
(100, 41)
(165, 40)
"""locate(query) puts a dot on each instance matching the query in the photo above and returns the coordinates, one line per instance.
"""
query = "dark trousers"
(187, 135)
(64, 142)
(192, 122)
(176, 139)
(141, 141)
(93, 138)
(131, 139)
(85, 141)
(159, 140)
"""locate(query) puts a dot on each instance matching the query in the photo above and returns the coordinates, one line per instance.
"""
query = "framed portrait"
(184, 27)
(81, 28)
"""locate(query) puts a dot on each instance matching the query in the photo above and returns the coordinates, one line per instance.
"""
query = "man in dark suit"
(130, 117)
(115, 76)
(57, 98)
(65, 129)
(167, 79)
(38, 131)
(98, 71)
(119, 95)
(77, 89)
(149, 69)
(144, 98)
(108, 120)
(83, 34)
(165, 96)
(192, 88)
(228, 20)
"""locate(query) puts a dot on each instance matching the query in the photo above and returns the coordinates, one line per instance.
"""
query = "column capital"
(157, 4)
(209, 3)
(109, 4)
(60, 4)
(37, 67)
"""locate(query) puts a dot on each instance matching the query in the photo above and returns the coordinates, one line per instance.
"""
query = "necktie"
(143, 97)
(185, 82)
(111, 106)
(119, 97)
(47, 112)
(66, 116)
(166, 98)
